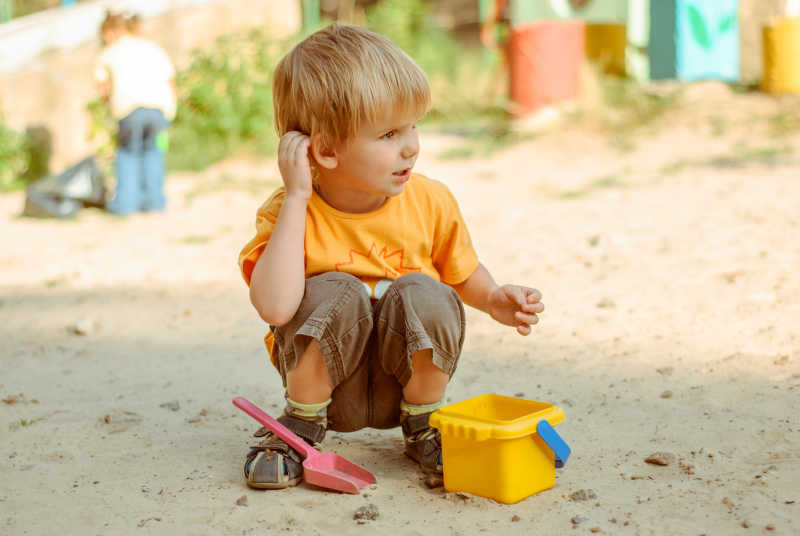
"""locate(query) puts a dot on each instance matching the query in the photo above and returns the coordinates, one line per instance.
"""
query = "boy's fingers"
(533, 295)
(526, 318)
(524, 330)
(537, 307)
(301, 151)
(515, 294)
(291, 148)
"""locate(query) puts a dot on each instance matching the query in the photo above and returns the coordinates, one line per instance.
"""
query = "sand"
(670, 279)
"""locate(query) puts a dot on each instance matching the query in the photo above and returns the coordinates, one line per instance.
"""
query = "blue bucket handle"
(554, 441)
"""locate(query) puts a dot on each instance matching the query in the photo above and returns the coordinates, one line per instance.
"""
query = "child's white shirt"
(140, 73)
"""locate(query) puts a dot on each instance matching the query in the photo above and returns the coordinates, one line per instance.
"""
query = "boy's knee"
(330, 294)
(425, 289)
(321, 286)
(417, 280)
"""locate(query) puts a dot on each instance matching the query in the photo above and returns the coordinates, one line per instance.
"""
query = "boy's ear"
(323, 153)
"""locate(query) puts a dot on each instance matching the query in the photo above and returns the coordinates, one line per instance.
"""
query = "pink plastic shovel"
(323, 469)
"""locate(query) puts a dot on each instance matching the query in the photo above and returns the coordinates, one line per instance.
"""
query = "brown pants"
(366, 346)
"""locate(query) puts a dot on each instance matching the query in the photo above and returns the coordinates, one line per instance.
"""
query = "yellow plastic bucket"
(782, 56)
(500, 447)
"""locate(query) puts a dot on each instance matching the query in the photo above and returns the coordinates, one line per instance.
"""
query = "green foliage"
(603, 183)
(463, 82)
(409, 24)
(21, 8)
(225, 101)
(16, 425)
(14, 158)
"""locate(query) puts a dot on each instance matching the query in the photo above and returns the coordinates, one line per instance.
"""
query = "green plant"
(225, 101)
(463, 82)
(603, 183)
(14, 158)
(16, 425)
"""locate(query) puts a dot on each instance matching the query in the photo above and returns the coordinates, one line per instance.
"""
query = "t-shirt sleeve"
(453, 254)
(266, 217)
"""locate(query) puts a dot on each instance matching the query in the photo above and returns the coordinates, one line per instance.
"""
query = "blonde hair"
(120, 23)
(112, 22)
(343, 77)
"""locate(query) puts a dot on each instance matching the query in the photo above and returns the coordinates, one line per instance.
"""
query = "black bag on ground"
(62, 195)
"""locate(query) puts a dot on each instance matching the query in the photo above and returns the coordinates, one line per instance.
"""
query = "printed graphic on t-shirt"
(391, 262)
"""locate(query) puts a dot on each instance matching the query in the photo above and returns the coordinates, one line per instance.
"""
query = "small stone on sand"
(364, 513)
(583, 495)
(661, 458)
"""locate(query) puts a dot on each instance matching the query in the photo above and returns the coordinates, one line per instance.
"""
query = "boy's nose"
(410, 145)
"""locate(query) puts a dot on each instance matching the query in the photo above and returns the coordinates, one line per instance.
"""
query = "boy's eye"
(389, 134)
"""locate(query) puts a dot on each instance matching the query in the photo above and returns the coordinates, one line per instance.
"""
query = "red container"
(545, 60)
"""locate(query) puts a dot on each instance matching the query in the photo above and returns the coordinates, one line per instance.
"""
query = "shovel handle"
(294, 441)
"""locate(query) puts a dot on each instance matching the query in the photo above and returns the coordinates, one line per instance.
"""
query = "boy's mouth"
(403, 174)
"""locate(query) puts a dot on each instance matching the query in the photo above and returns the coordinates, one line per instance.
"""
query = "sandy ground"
(669, 272)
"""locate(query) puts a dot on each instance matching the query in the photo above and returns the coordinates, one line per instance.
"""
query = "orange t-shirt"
(420, 230)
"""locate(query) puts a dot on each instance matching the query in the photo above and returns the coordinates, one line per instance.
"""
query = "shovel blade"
(331, 471)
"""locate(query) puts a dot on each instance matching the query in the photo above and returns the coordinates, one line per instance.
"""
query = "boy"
(359, 265)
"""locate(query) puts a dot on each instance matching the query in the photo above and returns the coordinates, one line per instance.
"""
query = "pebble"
(364, 513)
(605, 303)
(515, 518)
(577, 520)
(583, 495)
(242, 501)
(666, 371)
(172, 405)
(661, 458)
(666, 394)
(86, 326)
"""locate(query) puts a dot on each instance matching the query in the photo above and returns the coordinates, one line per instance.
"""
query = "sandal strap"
(312, 432)
(277, 446)
(414, 424)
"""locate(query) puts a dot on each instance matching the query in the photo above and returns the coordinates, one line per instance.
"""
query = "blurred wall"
(52, 87)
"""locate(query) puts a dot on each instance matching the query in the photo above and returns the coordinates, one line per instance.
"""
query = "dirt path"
(670, 277)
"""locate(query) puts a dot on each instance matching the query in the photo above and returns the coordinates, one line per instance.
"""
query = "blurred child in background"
(137, 78)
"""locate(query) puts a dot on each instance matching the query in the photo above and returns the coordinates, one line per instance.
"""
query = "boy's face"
(376, 163)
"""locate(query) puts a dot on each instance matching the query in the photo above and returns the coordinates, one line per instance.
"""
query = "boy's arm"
(278, 279)
(277, 283)
(512, 305)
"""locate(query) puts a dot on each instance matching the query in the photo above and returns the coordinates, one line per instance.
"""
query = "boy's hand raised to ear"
(294, 164)
(516, 306)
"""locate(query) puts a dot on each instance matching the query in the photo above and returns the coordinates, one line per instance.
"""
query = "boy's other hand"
(294, 164)
(516, 306)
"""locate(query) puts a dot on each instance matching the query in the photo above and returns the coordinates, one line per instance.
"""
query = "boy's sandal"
(423, 443)
(272, 464)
